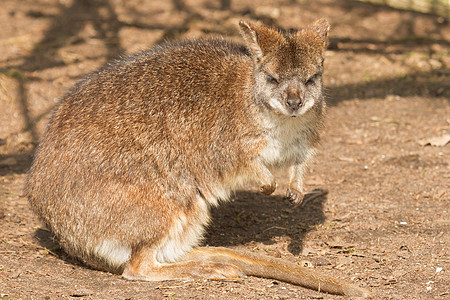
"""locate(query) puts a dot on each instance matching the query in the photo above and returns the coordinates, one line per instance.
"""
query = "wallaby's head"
(288, 66)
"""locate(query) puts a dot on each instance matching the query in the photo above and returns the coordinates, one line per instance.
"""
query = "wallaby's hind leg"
(144, 266)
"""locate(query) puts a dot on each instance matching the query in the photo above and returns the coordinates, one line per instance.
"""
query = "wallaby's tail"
(274, 268)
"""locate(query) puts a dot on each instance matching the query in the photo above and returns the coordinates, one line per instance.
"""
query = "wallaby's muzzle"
(294, 103)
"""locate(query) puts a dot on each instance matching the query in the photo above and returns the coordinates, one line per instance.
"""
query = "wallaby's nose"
(294, 103)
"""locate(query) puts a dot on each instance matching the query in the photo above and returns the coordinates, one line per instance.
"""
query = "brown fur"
(137, 152)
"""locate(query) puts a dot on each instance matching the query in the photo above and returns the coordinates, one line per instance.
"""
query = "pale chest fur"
(289, 141)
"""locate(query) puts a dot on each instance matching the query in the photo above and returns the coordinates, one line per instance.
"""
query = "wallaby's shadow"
(252, 217)
(48, 241)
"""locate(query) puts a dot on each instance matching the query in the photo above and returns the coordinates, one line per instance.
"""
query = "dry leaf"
(437, 141)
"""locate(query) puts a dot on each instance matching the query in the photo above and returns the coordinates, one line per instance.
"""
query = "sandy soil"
(383, 220)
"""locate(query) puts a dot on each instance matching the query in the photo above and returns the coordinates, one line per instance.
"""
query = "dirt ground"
(382, 220)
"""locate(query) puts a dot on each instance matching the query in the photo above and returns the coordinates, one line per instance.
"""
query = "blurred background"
(381, 218)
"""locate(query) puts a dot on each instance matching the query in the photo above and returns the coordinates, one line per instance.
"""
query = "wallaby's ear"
(321, 27)
(249, 35)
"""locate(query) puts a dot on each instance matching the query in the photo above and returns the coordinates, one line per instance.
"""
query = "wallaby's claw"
(295, 196)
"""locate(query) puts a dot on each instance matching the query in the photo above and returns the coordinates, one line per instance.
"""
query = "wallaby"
(137, 152)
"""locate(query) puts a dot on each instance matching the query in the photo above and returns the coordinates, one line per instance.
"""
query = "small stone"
(322, 262)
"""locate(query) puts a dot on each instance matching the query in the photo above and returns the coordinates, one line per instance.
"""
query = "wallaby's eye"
(272, 80)
(313, 79)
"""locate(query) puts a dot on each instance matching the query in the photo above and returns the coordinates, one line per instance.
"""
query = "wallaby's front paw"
(294, 196)
(268, 189)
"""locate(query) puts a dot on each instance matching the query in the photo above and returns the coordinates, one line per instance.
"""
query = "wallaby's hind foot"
(143, 266)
